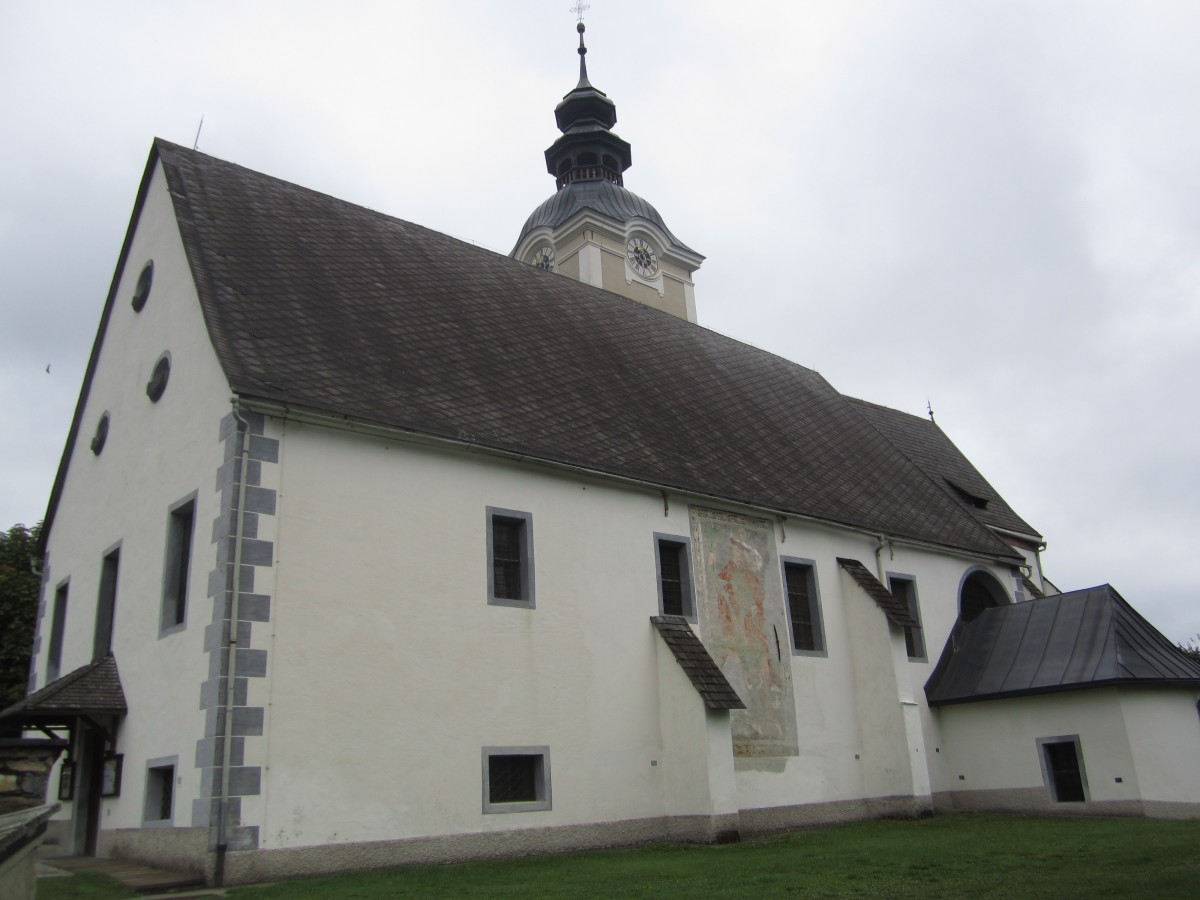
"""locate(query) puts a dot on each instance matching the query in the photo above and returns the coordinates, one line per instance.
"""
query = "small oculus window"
(141, 293)
(673, 564)
(804, 607)
(101, 436)
(510, 558)
(158, 378)
(516, 779)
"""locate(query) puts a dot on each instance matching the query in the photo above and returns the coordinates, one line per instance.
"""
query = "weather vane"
(579, 9)
(929, 406)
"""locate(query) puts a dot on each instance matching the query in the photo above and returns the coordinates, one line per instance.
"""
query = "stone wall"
(24, 769)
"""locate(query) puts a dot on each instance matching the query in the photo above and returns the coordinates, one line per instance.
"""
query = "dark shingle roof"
(320, 305)
(923, 442)
(706, 677)
(893, 607)
(94, 689)
(1087, 638)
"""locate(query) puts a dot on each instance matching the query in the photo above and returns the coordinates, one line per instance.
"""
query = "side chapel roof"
(1081, 639)
(321, 305)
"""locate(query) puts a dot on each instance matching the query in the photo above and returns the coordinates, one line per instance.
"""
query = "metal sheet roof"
(1081, 639)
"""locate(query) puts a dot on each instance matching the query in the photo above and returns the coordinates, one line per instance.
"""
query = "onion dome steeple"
(592, 227)
(587, 150)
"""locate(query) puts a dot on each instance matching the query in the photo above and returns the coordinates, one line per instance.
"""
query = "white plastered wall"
(388, 670)
(992, 744)
(1163, 725)
(156, 454)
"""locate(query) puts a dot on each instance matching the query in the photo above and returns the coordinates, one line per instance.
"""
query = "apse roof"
(316, 304)
(1082, 639)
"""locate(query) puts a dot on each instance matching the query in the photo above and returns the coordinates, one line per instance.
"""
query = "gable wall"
(156, 454)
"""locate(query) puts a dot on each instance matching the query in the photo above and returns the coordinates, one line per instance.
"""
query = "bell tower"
(594, 229)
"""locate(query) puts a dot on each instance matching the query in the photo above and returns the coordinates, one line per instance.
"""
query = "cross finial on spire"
(579, 9)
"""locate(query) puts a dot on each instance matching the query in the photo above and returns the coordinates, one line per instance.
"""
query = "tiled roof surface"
(322, 305)
(923, 442)
(893, 607)
(94, 689)
(1081, 639)
(694, 659)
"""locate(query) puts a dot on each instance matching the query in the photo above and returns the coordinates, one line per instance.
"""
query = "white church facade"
(370, 547)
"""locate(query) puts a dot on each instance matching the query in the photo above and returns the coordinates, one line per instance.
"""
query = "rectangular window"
(159, 805)
(673, 561)
(804, 607)
(180, 528)
(57, 625)
(905, 588)
(516, 779)
(106, 604)
(1062, 768)
(510, 556)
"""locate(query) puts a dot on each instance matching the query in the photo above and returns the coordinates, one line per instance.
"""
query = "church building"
(371, 547)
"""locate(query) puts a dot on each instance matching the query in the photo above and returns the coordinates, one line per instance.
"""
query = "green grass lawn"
(962, 855)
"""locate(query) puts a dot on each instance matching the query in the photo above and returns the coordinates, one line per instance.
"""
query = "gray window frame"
(153, 765)
(171, 586)
(683, 546)
(914, 609)
(58, 626)
(528, 592)
(1048, 774)
(544, 799)
(814, 602)
(106, 604)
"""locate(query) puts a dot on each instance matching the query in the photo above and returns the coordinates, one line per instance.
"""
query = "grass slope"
(963, 855)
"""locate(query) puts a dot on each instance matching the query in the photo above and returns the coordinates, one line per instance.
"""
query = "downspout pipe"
(231, 651)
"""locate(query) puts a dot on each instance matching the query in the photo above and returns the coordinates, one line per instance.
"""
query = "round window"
(141, 293)
(101, 434)
(158, 379)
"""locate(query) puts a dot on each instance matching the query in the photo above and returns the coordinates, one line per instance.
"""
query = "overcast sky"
(992, 206)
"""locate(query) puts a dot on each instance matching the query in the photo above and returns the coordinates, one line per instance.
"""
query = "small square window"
(905, 588)
(516, 779)
(159, 806)
(1062, 768)
(673, 561)
(510, 558)
(804, 607)
(177, 566)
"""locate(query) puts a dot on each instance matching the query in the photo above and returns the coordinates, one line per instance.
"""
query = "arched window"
(979, 591)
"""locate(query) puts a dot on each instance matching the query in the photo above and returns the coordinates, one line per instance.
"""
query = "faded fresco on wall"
(743, 624)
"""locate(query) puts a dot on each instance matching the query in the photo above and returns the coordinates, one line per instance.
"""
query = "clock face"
(642, 258)
(543, 258)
